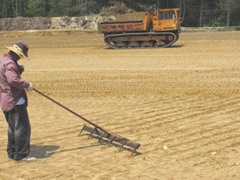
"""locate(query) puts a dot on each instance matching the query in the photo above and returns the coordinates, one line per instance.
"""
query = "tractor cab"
(166, 20)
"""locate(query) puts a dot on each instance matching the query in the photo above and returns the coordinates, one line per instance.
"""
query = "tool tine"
(112, 138)
(82, 130)
(123, 145)
(110, 142)
(92, 132)
(99, 140)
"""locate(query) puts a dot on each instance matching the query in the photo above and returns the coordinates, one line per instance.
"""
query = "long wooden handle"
(71, 111)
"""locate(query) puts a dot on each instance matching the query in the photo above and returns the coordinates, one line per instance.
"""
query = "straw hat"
(20, 48)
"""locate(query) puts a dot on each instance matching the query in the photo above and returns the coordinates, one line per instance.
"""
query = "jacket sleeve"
(13, 77)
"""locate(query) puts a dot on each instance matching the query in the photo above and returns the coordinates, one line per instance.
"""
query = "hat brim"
(15, 50)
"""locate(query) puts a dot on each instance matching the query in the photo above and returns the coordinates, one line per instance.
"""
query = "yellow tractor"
(159, 28)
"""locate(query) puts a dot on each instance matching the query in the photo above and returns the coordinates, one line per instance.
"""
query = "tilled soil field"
(182, 104)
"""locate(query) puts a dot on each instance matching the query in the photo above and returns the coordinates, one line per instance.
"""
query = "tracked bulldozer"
(159, 28)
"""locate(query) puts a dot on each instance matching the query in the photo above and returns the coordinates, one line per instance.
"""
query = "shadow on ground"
(43, 151)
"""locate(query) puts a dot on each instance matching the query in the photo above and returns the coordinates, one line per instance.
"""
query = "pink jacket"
(12, 87)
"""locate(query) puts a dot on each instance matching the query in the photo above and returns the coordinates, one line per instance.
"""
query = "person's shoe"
(28, 159)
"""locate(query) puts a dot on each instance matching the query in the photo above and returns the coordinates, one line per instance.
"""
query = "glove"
(30, 87)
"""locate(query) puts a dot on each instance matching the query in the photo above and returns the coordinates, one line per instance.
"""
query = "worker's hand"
(30, 87)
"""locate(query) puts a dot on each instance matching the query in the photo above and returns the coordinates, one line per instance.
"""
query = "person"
(13, 101)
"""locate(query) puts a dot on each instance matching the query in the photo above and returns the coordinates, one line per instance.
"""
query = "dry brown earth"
(182, 104)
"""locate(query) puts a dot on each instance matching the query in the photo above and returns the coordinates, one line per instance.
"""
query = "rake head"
(99, 131)
(111, 137)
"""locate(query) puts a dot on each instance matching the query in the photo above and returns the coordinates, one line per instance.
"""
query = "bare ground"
(181, 104)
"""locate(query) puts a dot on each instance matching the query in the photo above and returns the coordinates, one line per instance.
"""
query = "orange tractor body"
(160, 28)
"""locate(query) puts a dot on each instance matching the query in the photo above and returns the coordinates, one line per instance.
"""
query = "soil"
(74, 23)
(118, 11)
(180, 103)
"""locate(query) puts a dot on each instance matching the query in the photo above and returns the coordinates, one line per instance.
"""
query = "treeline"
(195, 12)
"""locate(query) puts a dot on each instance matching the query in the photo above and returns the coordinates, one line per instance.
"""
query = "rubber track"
(140, 34)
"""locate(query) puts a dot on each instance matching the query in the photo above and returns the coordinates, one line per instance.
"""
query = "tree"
(58, 8)
(38, 8)
(207, 13)
(235, 17)
(197, 12)
(4, 8)
(226, 10)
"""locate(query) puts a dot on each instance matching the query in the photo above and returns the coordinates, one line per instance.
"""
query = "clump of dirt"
(21, 23)
(132, 16)
(83, 22)
(38, 23)
(117, 12)
(122, 13)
